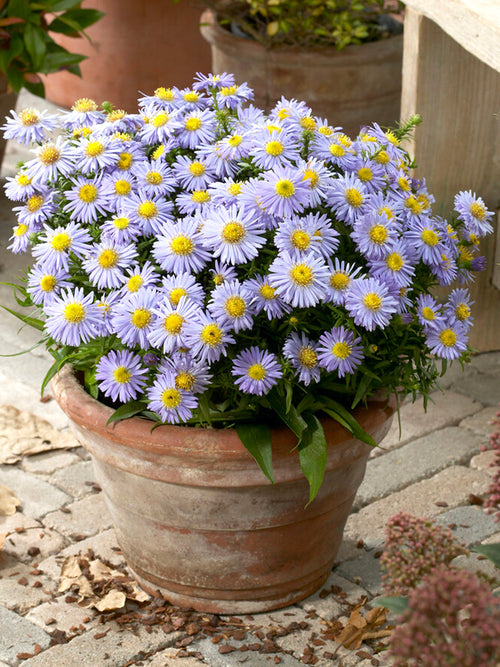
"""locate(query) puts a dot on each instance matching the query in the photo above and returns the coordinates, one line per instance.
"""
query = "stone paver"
(480, 422)
(46, 463)
(76, 479)
(37, 496)
(87, 517)
(68, 616)
(18, 636)
(365, 569)
(417, 460)
(20, 590)
(484, 461)
(33, 544)
(470, 525)
(483, 388)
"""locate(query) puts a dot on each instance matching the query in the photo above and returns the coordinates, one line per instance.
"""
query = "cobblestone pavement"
(435, 469)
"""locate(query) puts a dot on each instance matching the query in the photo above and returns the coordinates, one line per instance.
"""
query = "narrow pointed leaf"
(291, 418)
(257, 439)
(31, 321)
(130, 409)
(313, 453)
(345, 418)
(491, 551)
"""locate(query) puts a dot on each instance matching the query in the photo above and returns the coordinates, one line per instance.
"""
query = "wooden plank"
(474, 24)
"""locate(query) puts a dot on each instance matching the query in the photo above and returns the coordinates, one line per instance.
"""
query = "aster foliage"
(203, 263)
(452, 619)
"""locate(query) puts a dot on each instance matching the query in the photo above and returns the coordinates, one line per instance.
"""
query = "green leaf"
(345, 419)
(63, 5)
(8, 55)
(257, 439)
(398, 604)
(19, 8)
(60, 59)
(15, 78)
(34, 40)
(55, 368)
(313, 454)
(491, 551)
(291, 418)
(31, 321)
(128, 410)
(37, 89)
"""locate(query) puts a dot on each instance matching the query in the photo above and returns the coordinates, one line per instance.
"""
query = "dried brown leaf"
(360, 628)
(112, 600)
(8, 501)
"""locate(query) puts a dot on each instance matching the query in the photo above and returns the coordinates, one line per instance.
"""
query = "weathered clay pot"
(197, 519)
(8, 99)
(357, 86)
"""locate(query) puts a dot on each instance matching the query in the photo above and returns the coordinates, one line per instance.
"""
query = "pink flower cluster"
(492, 501)
(452, 619)
(413, 548)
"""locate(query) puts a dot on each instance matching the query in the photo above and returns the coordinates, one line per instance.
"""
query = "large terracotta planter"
(8, 99)
(196, 518)
(351, 88)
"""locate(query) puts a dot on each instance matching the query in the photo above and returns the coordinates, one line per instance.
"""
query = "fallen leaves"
(8, 501)
(361, 628)
(98, 585)
(24, 434)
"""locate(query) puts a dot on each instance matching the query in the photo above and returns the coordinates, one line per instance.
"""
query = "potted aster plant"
(234, 305)
(344, 58)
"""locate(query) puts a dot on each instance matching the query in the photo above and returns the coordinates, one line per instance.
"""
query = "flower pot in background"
(137, 46)
(197, 519)
(353, 87)
(8, 100)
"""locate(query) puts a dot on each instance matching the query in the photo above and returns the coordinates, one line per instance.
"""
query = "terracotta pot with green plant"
(343, 58)
(234, 302)
(27, 47)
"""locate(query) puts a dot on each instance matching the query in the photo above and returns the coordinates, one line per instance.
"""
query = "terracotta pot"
(196, 518)
(8, 100)
(351, 88)
(137, 46)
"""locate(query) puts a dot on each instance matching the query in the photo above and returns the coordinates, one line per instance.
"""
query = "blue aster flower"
(207, 339)
(133, 318)
(84, 113)
(211, 154)
(106, 263)
(310, 233)
(447, 340)
(197, 202)
(426, 237)
(233, 234)
(301, 280)
(222, 273)
(38, 208)
(107, 304)
(29, 126)
(120, 229)
(371, 174)
(19, 187)
(256, 371)
(86, 199)
(52, 158)
(150, 213)
(56, 245)
(183, 284)
(192, 174)
(335, 149)
(303, 356)
(173, 404)
(230, 97)
(231, 304)
(318, 177)
(273, 148)
(72, 317)
(429, 312)
(20, 239)
(340, 277)
(162, 98)
(160, 126)
(397, 265)
(118, 186)
(348, 198)
(190, 374)
(458, 307)
(266, 297)
(154, 178)
(196, 127)
(339, 351)
(95, 154)
(43, 285)
(370, 303)
(283, 191)
(168, 331)
(180, 247)
(473, 213)
(207, 81)
(120, 375)
(139, 277)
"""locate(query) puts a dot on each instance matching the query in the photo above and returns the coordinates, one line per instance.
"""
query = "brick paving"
(430, 470)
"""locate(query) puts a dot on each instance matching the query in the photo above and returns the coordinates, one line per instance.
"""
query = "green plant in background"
(306, 23)
(27, 48)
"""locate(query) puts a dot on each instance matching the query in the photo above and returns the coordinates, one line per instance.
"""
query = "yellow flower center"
(211, 335)
(193, 124)
(403, 183)
(312, 177)
(147, 209)
(326, 130)
(154, 178)
(134, 283)
(140, 318)
(49, 154)
(94, 148)
(88, 193)
(74, 312)
(283, 113)
(47, 283)
(341, 350)
(428, 313)
(197, 168)
(160, 119)
(378, 234)
(353, 197)
(184, 380)
(122, 187)
(234, 189)
(284, 188)
(429, 237)
(84, 104)
(218, 279)
(191, 96)
(173, 323)
(413, 205)
(116, 114)
(125, 161)
(337, 150)
(478, 210)
(34, 203)
(171, 398)
(365, 174)
(21, 229)
(394, 261)
(181, 245)
(228, 90)
(267, 292)
(61, 242)
(301, 274)
(462, 312)
(382, 157)
(257, 372)
(108, 258)
(158, 152)
(200, 196)
(387, 211)
(235, 140)
(122, 375)
(339, 280)
(121, 223)
(176, 294)
(448, 337)
(235, 306)
(300, 239)
(29, 117)
(308, 357)
(233, 232)
(392, 138)
(166, 94)
(372, 301)
(308, 123)
(274, 148)
(23, 180)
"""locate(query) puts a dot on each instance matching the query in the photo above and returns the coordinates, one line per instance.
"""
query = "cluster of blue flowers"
(201, 245)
